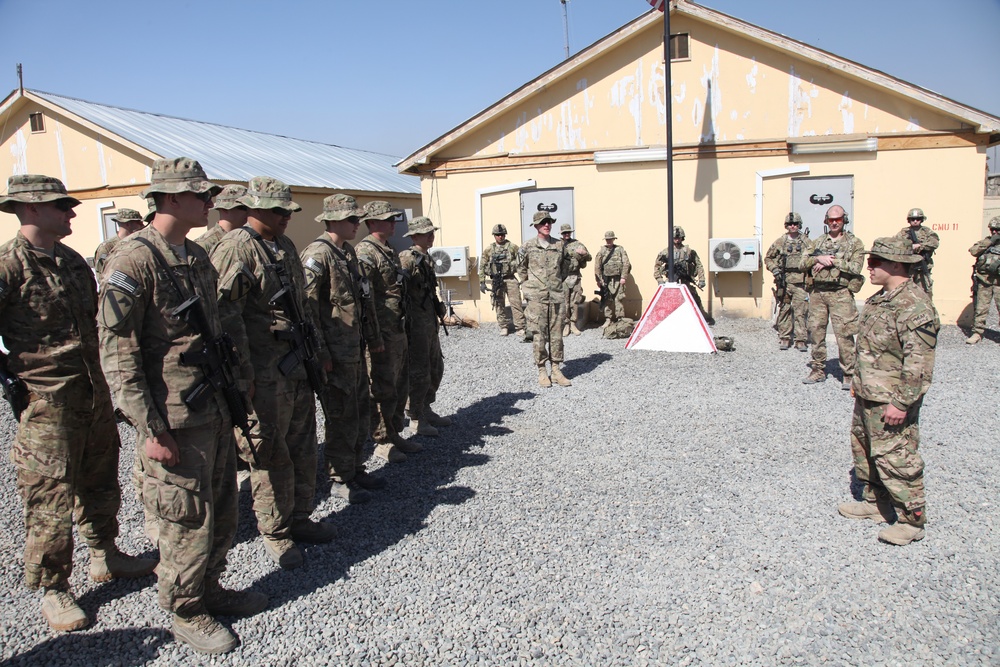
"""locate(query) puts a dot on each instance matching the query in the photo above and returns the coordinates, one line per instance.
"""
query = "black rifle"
(498, 288)
(431, 290)
(603, 292)
(14, 389)
(217, 359)
(921, 270)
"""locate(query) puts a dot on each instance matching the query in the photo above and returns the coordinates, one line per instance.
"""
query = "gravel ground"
(665, 509)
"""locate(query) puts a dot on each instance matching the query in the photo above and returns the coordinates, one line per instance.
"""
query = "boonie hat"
(127, 215)
(264, 192)
(228, 199)
(340, 207)
(499, 229)
(894, 249)
(420, 225)
(540, 217)
(179, 174)
(33, 189)
(565, 227)
(381, 210)
(609, 235)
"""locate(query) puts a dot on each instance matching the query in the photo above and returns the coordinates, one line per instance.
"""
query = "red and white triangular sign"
(672, 322)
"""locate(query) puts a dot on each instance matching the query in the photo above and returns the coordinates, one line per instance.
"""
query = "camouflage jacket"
(611, 261)
(103, 252)
(211, 238)
(848, 252)
(247, 283)
(987, 254)
(421, 288)
(541, 268)
(687, 265)
(929, 242)
(142, 341)
(339, 297)
(380, 265)
(896, 341)
(496, 254)
(576, 261)
(785, 254)
(48, 311)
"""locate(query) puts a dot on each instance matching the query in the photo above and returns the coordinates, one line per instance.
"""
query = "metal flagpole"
(671, 275)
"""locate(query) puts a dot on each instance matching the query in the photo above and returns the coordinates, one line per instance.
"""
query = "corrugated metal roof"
(232, 154)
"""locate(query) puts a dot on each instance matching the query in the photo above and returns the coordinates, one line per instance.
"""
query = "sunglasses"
(875, 262)
(840, 217)
(63, 205)
(283, 212)
(205, 196)
(914, 219)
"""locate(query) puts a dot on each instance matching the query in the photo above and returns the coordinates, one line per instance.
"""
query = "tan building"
(761, 124)
(104, 155)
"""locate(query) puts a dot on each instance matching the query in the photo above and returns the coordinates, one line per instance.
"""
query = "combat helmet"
(995, 223)
(793, 218)
(499, 229)
(916, 214)
(679, 233)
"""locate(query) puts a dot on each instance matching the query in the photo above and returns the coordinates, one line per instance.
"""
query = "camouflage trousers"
(348, 401)
(792, 314)
(614, 306)
(389, 385)
(985, 295)
(66, 457)
(838, 308)
(545, 320)
(574, 297)
(283, 483)
(196, 507)
(512, 295)
(426, 368)
(886, 459)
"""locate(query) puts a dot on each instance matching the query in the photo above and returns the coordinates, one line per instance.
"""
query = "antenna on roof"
(565, 26)
(20, 79)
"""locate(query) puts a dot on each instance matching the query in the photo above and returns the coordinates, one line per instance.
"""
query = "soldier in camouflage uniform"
(188, 452)
(832, 264)
(896, 342)
(612, 270)
(924, 242)
(255, 262)
(232, 215)
(424, 311)
(688, 269)
(341, 303)
(498, 264)
(128, 221)
(985, 279)
(577, 256)
(66, 449)
(784, 260)
(388, 367)
(541, 268)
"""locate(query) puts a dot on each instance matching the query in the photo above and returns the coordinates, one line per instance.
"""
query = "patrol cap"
(540, 217)
(264, 192)
(34, 189)
(499, 229)
(894, 249)
(228, 199)
(994, 223)
(679, 233)
(793, 218)
(610, 234)
(179, 174)
(565, 227)
(420, 225)
(916, 214)
(340, 207)
(381, 210)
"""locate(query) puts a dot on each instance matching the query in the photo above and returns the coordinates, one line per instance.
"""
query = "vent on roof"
(680, 47)
(37, 121)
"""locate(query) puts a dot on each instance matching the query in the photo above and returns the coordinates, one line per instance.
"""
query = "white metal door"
(557, 202)
(812, 196)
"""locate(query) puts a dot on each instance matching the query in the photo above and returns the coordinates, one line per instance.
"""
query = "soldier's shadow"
(414, 489)
(576, 367)
(131, 646)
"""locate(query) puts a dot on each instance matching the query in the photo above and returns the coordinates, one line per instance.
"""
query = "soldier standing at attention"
(985, 279)
(232, 215)
(924, 242)
(389, 375)
(424, 310)
(577, 256)
(66, 449)
(341, 303)
(541, 268)
(255, 263)
(612, 269)
(497, 265)
(688, 269)
(784, 259)
(896, 342)
(128, 221)
(833, 266)
(188, 453)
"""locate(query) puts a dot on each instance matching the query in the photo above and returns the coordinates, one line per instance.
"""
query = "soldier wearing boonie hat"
(66, 450)
(895, 361)
(577, 257)
(612, 269)
(342, 301)
(232, 215)
(498, 263)
(924, 241)
(255, 263)
(985, 278)
(128, 221)
(783, 260)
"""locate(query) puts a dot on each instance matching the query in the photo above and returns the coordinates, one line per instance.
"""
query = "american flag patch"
(124, 283)
(313, 265)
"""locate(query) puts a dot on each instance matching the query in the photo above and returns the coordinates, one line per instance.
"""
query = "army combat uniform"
(501, 259)
(124, 216)
(784, 260)
(985, 279)
(929, 242)
(610, 268)
(688, 270)
(575, 262)
(228, 199)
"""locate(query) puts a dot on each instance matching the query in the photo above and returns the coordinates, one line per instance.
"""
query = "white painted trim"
(482, 192)
(758, 225)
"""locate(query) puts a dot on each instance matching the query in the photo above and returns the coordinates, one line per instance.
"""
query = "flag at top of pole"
(657, 4)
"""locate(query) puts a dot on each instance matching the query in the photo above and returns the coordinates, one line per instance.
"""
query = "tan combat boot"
(801, 346)
(901, 534)
(202, 632)
(815, 377)
(62, 612)
(107, 563)
(973, 339)
(866, 510)
(504, 332)
(424, 427)
(389, 453)
(283, 552)
(543, 377)
(566, 329)
(559, 378)
(576, 328)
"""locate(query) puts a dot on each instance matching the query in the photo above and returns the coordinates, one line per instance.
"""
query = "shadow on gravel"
(415, 488)
(576, 367)
(133, 646)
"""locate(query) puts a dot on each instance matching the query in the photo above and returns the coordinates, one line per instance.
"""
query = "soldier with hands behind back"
(688, 269)
(577, 257)
(612, 269)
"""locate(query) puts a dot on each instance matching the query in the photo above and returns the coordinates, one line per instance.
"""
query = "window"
(680, 47)
(37, 122)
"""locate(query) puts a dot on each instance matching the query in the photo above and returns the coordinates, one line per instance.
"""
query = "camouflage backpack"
(989, 262)
(620, 329)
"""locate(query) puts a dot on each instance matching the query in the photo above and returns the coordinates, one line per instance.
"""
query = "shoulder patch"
(116, 307)
(311, 264)
(125, 283)
(237, 283)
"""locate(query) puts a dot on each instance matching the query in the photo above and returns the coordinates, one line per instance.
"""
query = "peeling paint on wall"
(100, 161)
(521, 132)
(752, 77)
(627, 91)
(845, 113)
(19, 151)
(913, 125)
(680, 96)
(799, 103)
(657, 88)
(568, 135)
(62, 156)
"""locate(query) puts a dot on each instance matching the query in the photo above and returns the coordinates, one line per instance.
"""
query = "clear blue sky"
(392, 75)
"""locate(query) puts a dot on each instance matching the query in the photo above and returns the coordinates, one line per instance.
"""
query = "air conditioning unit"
(450, 262)
(733, 255)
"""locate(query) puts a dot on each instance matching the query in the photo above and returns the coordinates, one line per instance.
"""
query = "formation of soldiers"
(236, 330)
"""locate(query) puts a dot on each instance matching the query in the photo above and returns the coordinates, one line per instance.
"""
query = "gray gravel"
(665, 509)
